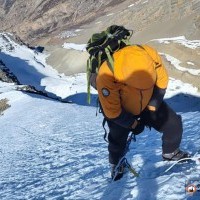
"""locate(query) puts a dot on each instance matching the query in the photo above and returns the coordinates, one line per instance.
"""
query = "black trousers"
(164, 120)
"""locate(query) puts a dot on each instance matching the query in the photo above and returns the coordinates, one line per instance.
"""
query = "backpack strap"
(106, 133)
(156, 63)
(141, 47)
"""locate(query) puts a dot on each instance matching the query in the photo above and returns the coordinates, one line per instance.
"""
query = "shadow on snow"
(147, 184)
(180, 102)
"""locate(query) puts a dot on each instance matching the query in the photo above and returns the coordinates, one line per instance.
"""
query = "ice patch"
(176, 63)
(193, 44)
(131, 5)
(110, 14)
(79, 47)
(190, 63)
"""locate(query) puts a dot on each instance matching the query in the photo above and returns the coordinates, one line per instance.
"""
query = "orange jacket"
(130, 87)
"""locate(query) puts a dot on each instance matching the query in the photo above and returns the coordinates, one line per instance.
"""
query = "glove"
(139, 128)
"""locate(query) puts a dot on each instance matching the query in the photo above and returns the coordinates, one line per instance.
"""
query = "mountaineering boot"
(117, 174)
(175, 156)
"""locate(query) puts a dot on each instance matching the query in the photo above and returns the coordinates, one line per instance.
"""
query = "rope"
(194, 158)
(88, 81)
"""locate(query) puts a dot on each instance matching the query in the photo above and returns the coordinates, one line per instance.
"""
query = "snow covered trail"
(51, 150)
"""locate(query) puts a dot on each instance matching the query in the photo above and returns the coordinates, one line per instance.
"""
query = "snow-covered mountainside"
(30, 68)
(51, 150)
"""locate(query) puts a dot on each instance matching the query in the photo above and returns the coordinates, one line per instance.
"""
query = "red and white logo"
(191, 189)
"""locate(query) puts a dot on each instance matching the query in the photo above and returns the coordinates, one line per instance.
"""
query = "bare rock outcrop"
(3, 105)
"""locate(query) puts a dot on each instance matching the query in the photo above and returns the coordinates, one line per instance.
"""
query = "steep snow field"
(53, 150)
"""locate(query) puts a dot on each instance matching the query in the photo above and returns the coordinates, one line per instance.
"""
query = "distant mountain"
(40, 21)
(31, 19)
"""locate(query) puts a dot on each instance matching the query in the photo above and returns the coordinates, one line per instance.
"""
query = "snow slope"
(31, 69)
(53, 150)
(78, 47)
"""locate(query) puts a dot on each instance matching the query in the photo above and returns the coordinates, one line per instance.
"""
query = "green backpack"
(101, 47)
